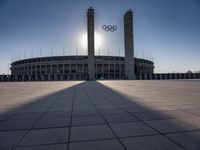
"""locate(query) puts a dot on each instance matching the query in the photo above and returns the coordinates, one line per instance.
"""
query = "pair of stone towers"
(128, 43)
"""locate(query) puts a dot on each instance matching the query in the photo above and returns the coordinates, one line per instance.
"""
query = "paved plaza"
(100, 115)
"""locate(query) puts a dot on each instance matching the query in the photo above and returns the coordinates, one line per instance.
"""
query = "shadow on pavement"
(95, 115)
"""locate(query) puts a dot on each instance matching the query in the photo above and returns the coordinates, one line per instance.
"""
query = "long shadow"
(62, 120)
(49, 110)
(180, 127)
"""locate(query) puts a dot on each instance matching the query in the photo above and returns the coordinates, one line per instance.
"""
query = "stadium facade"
(86, 67)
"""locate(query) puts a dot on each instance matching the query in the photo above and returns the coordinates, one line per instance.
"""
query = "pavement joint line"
(105, 120)
(56, 98)
(10, 116)
(57, 143)
(192, 113)
(139, 119)
(197, 128)
(90, 140)
(135, 136)
(70, 123)
(34, 129)
(175, 132)
(88, 125)
(163, 134)
(182, 132)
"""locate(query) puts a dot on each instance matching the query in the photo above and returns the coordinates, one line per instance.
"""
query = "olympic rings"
(109, 28)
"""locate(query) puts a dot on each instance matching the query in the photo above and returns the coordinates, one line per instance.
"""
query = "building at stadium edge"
(86, 67)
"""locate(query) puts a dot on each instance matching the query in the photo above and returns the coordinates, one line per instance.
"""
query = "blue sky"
(167, 31)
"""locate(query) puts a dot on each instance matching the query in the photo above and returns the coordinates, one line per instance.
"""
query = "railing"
(65, 77)
(169, 76)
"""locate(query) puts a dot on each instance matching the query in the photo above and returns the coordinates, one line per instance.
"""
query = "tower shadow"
(85, 115)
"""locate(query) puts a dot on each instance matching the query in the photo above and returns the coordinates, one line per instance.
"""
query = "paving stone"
(145, 116)
(179, 114)
(156, 142)
(78, 101)
(170, 125)
(106, 106)
(193, 111)
(90, 133)
(24, 116)
(17, 124)
(10, 109)
(44, 147)
(35, 109)
(87, 120)
(96, 145)
(6, 116)
(136, 109)
(59, 114)
(88, 107)
(85, 112)
(194, 121)
(43, 105)
(117, 118)
(61, 102)
(8, 139)
(53, 123)
(45, 136)
(190, 140)
(1, 122)
(111, 111)
(60, 109)
(132, 129)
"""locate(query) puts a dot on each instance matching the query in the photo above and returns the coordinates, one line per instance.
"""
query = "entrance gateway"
(128, 42)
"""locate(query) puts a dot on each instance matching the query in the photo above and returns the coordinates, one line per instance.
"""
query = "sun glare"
(97, 43)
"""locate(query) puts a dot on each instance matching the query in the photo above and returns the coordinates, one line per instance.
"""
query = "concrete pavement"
(113, 115)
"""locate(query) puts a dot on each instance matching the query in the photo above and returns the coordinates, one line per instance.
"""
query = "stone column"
(150, 76)
(175, 76)
(103, 73)
(156, 76)
(36, 77)
(165, 76)
(129, 47)
(185, 76)
(29, 78)
(90, 34)
(23, 77)
(42, 76)
(9, 78)
(55, 77)
(169, 74)
(49, 77)
(120, 69)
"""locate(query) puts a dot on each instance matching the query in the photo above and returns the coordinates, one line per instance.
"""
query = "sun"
(97, 41)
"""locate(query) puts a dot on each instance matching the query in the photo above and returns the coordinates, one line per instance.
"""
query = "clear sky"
(167, 31)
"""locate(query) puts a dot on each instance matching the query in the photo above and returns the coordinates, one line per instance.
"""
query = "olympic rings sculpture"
(109, 28)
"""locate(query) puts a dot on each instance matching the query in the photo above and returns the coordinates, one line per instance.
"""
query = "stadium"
(75, 68)
(86, 67)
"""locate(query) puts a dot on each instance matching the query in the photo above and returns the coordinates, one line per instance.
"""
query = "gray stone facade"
(75, 68)
(129, 46)
(91, 46)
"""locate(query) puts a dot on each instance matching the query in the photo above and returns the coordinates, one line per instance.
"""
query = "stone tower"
(129, 46)
(90, 36)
